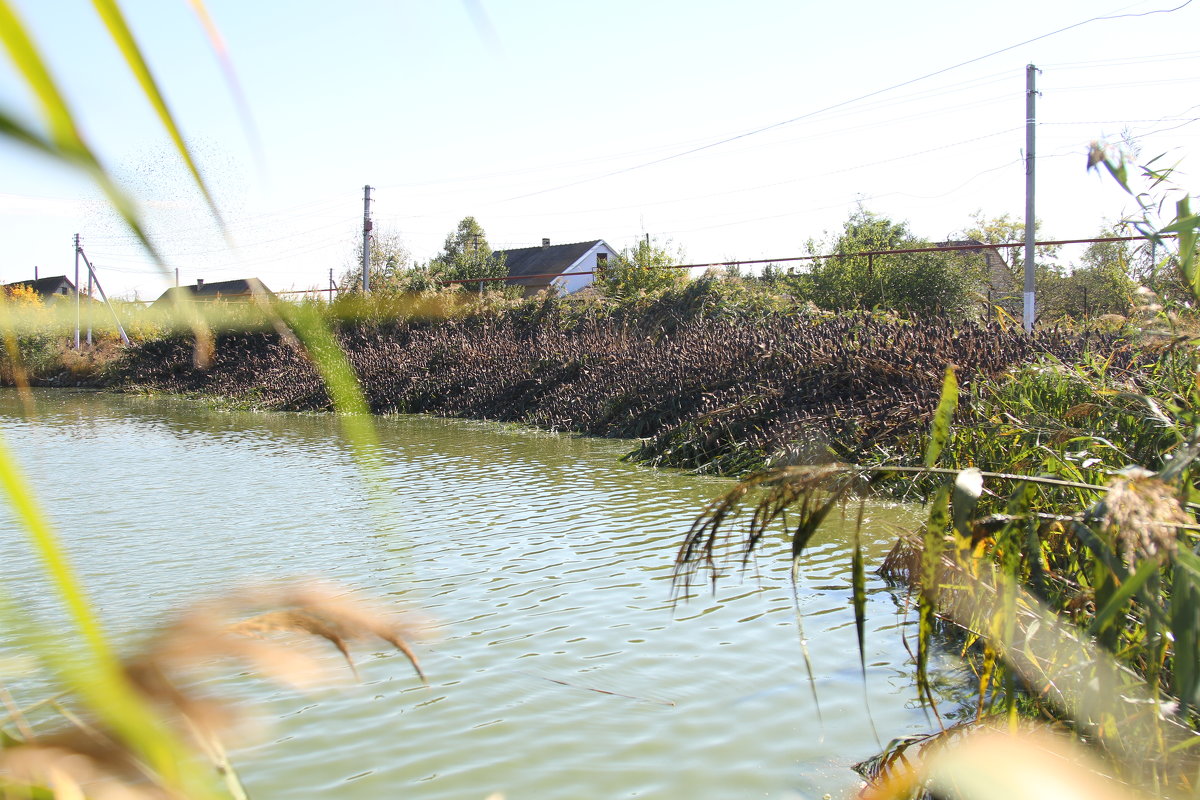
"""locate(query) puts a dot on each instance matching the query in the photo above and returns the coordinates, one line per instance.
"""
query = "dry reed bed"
(720, 395)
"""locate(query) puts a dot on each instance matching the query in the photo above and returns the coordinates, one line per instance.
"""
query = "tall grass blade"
(338, 376)
(810, 520)
(65, 143)
(235, 87)
(931, 563)
(1185, 627)
(1127, 589)
(1187, 226)
(858, 583)
(808, 667)
(940, 433)
(28, 61)
(122, 36)
(97, 674)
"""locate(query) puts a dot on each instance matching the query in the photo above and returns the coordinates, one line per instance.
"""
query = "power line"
(1159, 58)
(843, 103)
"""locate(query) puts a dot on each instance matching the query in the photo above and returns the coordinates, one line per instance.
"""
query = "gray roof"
(45, 287)
(242, 287)
(549, 260)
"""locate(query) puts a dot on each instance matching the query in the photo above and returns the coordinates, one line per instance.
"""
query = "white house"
(566, 267)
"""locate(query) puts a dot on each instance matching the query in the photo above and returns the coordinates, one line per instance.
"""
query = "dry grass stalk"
(86, 761)
(1141, 514)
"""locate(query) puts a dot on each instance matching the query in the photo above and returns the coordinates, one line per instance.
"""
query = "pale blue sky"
(537, 116)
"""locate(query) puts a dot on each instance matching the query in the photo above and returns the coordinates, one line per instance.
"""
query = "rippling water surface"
(558, 667)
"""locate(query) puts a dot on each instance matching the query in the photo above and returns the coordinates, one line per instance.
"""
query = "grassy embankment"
(703, 383)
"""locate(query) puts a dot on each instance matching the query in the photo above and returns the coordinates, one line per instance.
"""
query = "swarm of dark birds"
(702, 393)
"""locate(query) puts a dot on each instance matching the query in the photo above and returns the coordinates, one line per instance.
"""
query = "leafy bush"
(915, 283)
(643, 270)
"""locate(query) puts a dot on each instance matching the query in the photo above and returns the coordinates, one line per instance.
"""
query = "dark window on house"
(62, 290)
(601, 259)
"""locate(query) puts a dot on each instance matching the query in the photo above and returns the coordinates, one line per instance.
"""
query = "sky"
(728, 130)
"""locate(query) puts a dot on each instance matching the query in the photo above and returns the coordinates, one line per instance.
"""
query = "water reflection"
(559, 669)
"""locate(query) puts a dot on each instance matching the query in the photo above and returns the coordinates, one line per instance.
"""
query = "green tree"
(1104, 281)
(467, 255)
(392, 269)
(1006, 229)
(647, 268)
(911, 282)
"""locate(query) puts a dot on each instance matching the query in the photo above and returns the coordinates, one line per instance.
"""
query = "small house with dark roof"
(49, 289)
(566, 268)
(242, 289)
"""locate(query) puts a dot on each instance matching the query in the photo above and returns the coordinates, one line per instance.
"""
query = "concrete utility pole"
(89, 333)
(92, 276)
(1030, 221)
(77, 291)
(366, 277)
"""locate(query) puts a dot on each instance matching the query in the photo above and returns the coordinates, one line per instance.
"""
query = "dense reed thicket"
(719, 393)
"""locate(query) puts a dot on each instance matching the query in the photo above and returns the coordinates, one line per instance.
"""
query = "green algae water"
(558, 667)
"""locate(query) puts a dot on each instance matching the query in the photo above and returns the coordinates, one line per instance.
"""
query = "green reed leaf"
(122, 36)
(1126, 590)
(933, 546)
(96, 673)
(64, 144)
(29, 62)
(858, 584)
(345, 392)
(940, 434)
(1185, 626)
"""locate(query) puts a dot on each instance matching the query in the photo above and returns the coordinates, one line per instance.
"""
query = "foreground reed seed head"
(256, 627)
(252, 625)
(74, 768)
(986, 762)
(1141, 515)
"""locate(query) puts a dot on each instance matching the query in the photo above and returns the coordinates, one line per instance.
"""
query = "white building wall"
(569, 283)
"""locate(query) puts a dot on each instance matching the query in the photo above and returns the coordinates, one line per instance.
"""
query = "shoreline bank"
(719, 396)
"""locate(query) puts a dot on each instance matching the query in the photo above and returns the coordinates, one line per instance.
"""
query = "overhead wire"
(857, 99)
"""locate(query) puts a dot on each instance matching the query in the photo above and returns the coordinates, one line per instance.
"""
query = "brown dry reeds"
(714, 394)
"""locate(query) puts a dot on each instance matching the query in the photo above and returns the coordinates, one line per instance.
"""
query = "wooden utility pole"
(366, 258)
(1030, 221)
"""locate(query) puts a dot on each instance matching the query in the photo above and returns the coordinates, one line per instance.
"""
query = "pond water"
(558, 667)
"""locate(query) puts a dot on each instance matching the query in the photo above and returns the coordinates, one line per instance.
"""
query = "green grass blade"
(19, 132)
(65, 143)
(340, 381)
(931, 561)
(29, 62)
(1122, 594)
(97, 674)
(1185, 627)
(122, 36)
(858, 584)
(940, 434)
